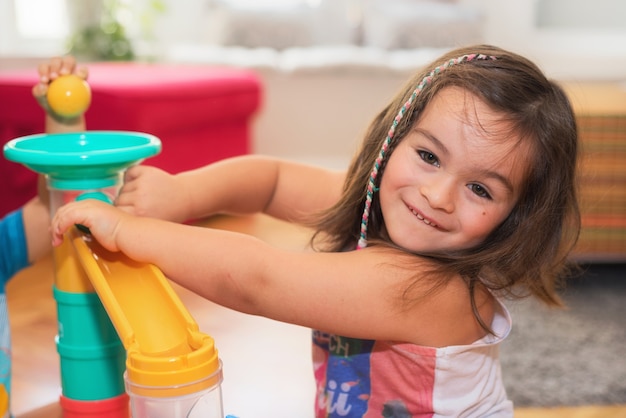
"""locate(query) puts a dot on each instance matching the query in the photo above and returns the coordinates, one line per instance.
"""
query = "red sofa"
(200, 113)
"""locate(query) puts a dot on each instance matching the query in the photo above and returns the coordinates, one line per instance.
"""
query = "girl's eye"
(480, 191)
(429, 158)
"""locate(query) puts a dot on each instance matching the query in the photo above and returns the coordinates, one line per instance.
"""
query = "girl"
(462, 192)
(24, 233)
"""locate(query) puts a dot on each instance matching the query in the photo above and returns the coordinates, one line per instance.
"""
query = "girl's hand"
(103, 220)
(49, 71)
(152, 192)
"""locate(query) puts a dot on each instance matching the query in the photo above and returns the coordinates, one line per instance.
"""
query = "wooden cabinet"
(601, 115)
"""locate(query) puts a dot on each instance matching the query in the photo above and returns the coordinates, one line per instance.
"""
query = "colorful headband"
(371, 185)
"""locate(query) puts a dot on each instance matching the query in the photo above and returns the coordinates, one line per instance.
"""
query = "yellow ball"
(69, 95)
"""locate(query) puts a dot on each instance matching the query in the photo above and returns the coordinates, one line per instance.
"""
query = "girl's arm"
(36, 216)
(357, 294)
(240, 185)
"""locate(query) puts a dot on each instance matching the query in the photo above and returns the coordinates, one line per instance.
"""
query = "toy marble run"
(127, 344)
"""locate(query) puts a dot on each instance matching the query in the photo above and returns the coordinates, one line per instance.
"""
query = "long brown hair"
(527, 251)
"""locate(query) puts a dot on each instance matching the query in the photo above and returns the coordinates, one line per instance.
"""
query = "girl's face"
(454, 178)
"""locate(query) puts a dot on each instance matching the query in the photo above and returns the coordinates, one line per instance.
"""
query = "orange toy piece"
(69, 95)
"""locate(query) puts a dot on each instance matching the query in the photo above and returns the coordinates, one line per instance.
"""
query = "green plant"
(107, 39)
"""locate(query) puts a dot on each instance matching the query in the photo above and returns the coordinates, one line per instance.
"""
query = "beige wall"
(321, 116)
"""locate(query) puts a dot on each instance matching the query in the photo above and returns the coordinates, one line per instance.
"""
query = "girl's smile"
(422, 218)
(454, 178)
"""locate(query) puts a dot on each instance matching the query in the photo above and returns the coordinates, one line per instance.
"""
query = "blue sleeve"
(13, 250)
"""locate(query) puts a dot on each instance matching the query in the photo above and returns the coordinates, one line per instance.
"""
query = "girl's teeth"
(421, 218)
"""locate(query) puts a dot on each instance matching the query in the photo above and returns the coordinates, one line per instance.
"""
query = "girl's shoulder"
(458, 321)
(431, 307)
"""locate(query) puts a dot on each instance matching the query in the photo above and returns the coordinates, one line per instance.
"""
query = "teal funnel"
(82, 160)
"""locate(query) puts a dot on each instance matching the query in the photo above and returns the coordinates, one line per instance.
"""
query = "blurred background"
(570, 39)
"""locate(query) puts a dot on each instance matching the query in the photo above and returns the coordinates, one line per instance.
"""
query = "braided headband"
(371, 185)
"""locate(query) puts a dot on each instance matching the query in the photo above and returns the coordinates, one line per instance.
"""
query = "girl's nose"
(439, 192)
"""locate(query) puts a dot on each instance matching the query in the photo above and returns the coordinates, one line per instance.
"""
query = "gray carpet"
(575, 356)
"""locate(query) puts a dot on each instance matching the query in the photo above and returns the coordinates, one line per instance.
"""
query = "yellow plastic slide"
(164, 346)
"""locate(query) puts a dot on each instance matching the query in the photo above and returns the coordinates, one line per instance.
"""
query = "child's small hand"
(102, 219)
(152, 192)
(49, 71)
